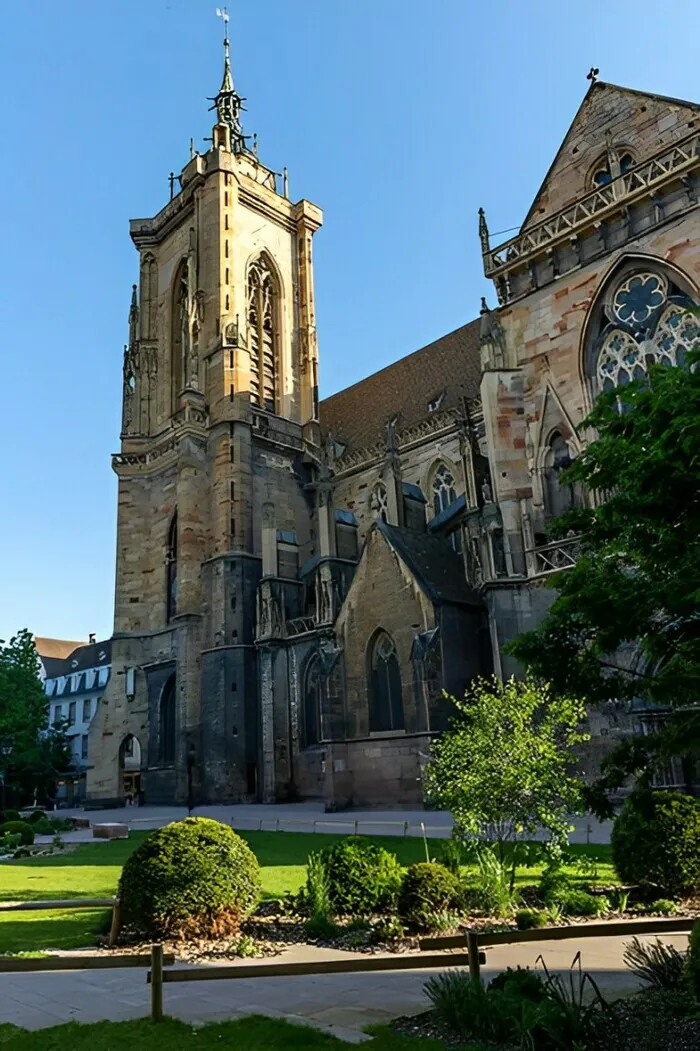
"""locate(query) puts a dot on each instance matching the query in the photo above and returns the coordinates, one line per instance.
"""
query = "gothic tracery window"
(602, 175)
(558, 496)
(646, 320)
(444, 492)
(385, 690)
(263, 334)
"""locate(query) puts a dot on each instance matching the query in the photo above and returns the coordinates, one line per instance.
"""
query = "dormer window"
(436, 402)
(74, 664)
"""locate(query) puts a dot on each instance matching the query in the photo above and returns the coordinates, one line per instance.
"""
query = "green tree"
(34, 755)
(507, 766)
(626, 621)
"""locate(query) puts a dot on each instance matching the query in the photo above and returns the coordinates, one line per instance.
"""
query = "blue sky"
(398, 117)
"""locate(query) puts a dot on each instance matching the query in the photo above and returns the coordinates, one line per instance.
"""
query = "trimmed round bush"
(581, 903)
(530, 919)
(10, 815)
(656, 842)
(427, 889)
(37, 815)
(193, 878)
(19, 828)
(363, 878)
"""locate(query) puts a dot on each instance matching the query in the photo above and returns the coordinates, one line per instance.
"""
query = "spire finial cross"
(592, 74)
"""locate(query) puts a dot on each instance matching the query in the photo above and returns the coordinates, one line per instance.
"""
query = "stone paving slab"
(343, 1004)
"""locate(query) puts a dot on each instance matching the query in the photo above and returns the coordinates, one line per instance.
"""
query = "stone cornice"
(670, 163)
(149, 455)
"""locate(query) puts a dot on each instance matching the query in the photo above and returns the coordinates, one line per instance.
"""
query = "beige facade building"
(297, 584)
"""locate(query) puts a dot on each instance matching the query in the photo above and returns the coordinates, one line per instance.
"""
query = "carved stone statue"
(486, 492)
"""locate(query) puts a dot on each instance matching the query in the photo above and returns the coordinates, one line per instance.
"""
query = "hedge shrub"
(19, 828)
(37, 815)
(427, 889)
(10, 815)
(191, 878)
(363, 878)
(656, 842)
(530, 919)
(581, 903)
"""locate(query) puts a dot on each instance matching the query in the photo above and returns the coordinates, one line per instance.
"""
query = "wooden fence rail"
(12, 964)
(575, 930)
(67, 903)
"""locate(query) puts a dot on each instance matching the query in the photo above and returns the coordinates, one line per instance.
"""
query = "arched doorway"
(130, 770)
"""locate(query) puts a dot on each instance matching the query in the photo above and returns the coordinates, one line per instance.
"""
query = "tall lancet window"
(179, 332)
(171, 571)
(263, 333)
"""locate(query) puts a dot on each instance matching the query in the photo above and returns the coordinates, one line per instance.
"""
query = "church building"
(300, 586)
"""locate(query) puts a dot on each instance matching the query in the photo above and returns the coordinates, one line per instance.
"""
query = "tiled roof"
(435, 565)
(443, 371)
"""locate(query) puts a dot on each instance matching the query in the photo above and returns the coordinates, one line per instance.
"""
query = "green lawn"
(254, 1033)
(92, 871)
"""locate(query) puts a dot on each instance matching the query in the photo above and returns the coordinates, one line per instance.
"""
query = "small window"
(58, 715)
(602, 176)
(444, 492)
(288, 561)
(87, 710)
(84, 747)
(346, 540)
(72, 711)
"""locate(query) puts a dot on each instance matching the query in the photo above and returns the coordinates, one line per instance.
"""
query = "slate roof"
(357, 416)
(436, 566)
(81, 657)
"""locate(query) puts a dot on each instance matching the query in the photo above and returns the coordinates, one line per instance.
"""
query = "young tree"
(29, 752)
(635, 589)
(506, 767)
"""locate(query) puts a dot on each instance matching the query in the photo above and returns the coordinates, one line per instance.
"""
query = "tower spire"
(228, 103)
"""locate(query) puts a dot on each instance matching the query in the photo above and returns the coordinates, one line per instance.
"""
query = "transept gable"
(614, 129)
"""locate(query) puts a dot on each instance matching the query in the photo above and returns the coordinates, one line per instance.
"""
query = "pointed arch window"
(385, 690)
(179, 322)
(166, 722)
(263, 333)
(558, 496)
(444, 492)
(643, 318)
(171, 571)
(149, 297)
(313, 704)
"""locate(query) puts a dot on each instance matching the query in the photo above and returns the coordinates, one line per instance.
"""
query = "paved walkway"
(343, 1004)
(310, 817)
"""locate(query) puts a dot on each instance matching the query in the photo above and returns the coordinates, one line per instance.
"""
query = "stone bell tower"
(220, 398)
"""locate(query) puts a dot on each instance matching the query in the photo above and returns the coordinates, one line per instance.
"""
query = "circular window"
(637, 298)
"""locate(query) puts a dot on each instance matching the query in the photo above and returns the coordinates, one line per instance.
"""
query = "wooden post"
(157, 983)
(116, 924)
(473, 950)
